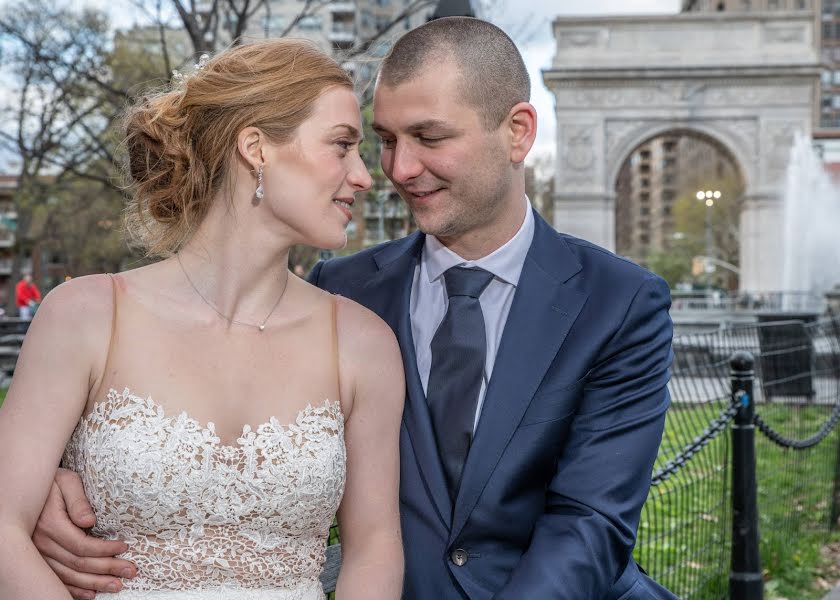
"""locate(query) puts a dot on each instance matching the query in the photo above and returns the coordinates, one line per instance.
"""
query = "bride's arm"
(369, 522)
(48, 394)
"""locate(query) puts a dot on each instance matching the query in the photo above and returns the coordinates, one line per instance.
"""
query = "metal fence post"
(745, 579)
(834, 336)
(834, 517)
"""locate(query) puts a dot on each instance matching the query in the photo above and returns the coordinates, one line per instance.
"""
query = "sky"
(529, 24)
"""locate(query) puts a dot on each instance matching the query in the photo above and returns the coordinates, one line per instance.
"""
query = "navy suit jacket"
(561, 460)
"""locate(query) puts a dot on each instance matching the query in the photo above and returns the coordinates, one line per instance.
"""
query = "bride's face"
(310, 183)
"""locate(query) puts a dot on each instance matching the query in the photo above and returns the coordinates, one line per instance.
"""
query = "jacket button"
(459, 557)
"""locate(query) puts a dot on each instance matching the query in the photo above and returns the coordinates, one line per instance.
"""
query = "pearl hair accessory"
(202, 62)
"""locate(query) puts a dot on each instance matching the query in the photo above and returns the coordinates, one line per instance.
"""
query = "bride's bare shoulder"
(79, 309)
(81, 299)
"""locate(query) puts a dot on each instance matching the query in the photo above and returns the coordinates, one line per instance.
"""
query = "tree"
(724, 217)
(673, 266)
(539, 185)
(71, 77)
(84, 75)
(59, 114)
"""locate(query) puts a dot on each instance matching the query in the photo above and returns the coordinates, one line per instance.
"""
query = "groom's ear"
(521, 124)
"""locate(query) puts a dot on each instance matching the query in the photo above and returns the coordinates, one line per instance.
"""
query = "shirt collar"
(505, 262)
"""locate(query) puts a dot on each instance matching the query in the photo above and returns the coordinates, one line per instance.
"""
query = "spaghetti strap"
(112, 336)
(334, 299)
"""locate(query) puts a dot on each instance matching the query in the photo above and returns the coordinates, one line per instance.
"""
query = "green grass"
(685, 531)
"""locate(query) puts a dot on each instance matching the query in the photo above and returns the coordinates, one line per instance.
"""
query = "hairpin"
(202, 62)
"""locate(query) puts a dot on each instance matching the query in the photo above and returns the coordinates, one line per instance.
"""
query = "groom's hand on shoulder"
(84, 564)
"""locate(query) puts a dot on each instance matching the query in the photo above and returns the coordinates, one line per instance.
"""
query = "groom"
(536, 363)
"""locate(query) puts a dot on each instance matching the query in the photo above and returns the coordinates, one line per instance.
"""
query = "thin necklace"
(260, 327)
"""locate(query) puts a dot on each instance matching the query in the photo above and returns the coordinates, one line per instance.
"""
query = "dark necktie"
(459, 349)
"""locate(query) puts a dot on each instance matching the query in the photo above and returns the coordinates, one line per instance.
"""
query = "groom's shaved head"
(492, 73)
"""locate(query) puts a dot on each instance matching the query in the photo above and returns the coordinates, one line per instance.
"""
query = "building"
(357, 32)
(454, 8)
(659, 173)
(646, 189)
(745, 5)
(830, 46)
(8, 226)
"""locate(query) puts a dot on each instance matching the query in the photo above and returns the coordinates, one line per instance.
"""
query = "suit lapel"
(397, 263)
(543, 310)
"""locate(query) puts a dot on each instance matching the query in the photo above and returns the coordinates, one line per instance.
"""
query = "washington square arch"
(747, 82)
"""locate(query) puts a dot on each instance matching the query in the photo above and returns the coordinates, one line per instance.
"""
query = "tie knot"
(461, 281)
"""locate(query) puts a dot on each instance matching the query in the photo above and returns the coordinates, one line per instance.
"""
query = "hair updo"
(180, 142)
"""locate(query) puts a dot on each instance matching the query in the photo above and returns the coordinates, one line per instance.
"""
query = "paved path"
(833, 594)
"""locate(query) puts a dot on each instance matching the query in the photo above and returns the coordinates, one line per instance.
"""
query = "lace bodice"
(198, 514)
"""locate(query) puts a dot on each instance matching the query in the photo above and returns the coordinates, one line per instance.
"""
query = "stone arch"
(748, 82)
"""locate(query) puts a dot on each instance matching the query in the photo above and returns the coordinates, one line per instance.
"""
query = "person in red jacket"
(27, 296)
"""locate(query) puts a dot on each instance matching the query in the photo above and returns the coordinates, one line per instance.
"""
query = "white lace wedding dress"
(205, 520)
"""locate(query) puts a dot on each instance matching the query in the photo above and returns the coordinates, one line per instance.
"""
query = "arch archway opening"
(663, 224)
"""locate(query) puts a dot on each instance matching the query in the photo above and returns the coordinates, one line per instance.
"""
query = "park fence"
(748, 474)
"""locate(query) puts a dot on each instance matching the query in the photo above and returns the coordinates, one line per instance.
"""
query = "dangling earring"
(260, 191)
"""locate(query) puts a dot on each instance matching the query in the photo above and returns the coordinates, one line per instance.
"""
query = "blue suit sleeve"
(584, 540)
(314, 276)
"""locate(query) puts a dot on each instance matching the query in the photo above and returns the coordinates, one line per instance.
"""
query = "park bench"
(12, 333)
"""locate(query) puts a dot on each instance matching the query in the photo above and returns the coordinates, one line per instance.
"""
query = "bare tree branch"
(167, 63)
(310, 7)
(244, 15)
(40, 53)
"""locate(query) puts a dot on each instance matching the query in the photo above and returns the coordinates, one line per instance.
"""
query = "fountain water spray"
(811, 212)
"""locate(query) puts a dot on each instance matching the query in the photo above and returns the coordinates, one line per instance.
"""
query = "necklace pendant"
(262, 327)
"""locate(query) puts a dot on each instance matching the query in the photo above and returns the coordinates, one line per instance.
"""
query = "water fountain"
(811, 239)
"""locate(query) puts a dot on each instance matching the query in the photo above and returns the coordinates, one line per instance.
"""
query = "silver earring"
(260, 191)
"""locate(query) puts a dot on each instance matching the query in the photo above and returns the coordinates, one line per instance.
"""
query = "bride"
(218, 409)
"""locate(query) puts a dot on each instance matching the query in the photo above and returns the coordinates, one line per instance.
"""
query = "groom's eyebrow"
(428, 124)
(418, 127)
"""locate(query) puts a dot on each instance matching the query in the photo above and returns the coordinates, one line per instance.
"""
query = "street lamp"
(708, 197)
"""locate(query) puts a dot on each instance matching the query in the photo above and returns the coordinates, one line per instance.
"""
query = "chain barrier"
(711, 431)
(719, 424)
(780, 440)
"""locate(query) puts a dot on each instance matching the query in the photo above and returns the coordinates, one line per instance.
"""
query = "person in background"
(27, 297)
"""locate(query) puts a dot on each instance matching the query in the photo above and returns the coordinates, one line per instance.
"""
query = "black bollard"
(745, 580)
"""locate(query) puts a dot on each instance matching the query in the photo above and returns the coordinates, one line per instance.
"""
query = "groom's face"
(454, 172)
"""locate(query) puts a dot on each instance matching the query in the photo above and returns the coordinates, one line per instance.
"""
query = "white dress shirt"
(429, 300)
